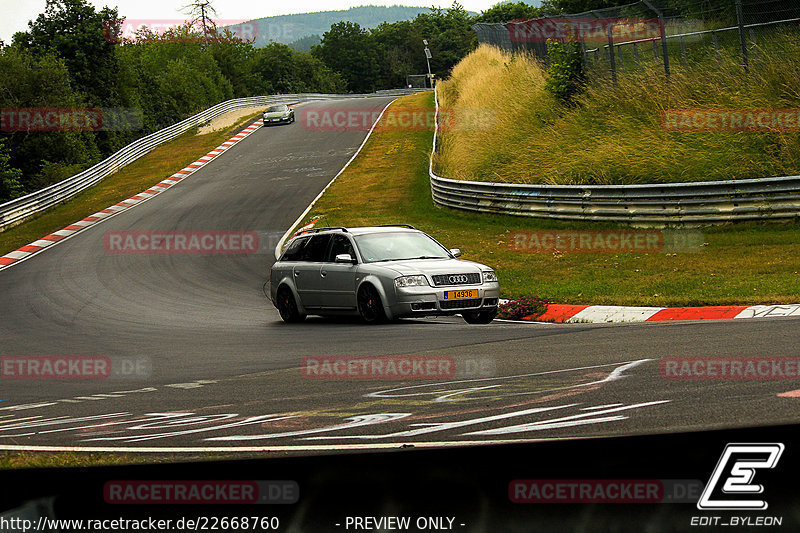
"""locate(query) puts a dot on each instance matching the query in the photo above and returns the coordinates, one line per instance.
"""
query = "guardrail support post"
(663, 33)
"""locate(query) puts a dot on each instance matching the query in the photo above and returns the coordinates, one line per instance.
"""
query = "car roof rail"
(314, 230)
(397, 225)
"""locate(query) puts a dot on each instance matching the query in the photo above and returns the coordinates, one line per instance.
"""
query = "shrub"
(522, 307)
(565, 75)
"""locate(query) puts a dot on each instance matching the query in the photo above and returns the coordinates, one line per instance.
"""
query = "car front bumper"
(277, 120)
(426, 300)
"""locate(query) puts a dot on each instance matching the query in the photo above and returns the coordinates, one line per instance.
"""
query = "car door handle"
(323, 273)
(296, 273)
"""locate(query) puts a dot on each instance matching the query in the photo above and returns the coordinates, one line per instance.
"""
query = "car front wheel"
(287, 307)
(479, 317)
(369, 305)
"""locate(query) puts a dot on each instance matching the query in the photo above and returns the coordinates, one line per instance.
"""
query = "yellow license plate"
(459, 295)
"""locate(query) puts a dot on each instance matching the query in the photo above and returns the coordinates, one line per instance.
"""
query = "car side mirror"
(456, 252)
(344, 258)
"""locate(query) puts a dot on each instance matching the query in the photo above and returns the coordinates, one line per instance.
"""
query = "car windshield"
(276, 108)
(397, 246)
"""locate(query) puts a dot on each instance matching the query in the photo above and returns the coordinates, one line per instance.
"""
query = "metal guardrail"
(651, 205)
(15, 211)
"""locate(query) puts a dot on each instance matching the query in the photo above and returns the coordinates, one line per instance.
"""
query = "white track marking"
(286, 235)
(566, 421)
(444, 426)
(616, 374)
(354, 421)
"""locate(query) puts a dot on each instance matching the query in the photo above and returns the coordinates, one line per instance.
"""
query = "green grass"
(614, 133)
(54, 460)
(132, 179)
(12, 460)
(388, 183)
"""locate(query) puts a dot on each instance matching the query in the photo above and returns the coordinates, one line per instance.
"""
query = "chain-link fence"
(671, 33)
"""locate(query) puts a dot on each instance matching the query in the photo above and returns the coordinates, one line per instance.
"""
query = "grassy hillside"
(614, 135)
(388, 183)
(289, 28)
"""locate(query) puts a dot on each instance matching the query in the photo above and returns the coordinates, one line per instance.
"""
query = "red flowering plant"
(520, 308)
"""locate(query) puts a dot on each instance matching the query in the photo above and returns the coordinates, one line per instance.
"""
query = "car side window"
(340, 244)
(314, 251)
(292, 253)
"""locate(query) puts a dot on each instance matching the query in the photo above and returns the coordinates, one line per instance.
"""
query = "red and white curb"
(37, 246)
(613, 313)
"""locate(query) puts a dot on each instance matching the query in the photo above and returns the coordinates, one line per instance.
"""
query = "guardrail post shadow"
(663, 34)
(755, 46)
(716, 49)
(683, 53)
(612, 54)
(742, 42)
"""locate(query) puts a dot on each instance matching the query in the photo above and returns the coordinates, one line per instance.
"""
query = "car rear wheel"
(369, 305)
(479, 317)
(287, 307)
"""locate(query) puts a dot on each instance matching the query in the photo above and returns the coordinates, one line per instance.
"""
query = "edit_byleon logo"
(731, 486)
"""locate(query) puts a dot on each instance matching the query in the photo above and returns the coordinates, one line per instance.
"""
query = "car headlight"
(410, 281)
(489, 276)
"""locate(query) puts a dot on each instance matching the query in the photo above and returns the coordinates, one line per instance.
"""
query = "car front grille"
(457, 279)
(461, 304)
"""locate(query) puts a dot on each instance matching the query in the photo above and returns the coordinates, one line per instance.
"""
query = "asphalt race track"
(202, 360)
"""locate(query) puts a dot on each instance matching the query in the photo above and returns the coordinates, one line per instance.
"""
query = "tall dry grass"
(614, 134)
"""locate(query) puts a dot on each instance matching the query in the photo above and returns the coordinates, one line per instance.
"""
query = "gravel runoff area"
(228, 119)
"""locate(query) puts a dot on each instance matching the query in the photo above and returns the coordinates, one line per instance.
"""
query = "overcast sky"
(17, 13)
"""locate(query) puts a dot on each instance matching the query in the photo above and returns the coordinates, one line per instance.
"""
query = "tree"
(450, 36)
(201, 12)
(509, 11)
(10, 184)
(350, 50)
(234, 58)
(283, 70)
(36, 82)
(75, 32)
